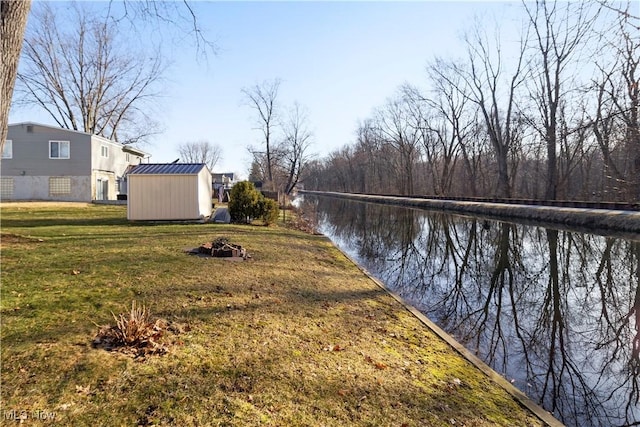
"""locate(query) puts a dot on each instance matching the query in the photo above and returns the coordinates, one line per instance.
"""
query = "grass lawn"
(296, 335)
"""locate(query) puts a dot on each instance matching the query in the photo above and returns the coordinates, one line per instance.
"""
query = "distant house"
(42, 162)
(225, 180)
(169, 191)
(222, 181)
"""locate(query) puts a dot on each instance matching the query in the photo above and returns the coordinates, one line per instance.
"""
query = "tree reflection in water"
(556, 312)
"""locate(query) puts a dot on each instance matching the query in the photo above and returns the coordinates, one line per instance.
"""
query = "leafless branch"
(85, 79)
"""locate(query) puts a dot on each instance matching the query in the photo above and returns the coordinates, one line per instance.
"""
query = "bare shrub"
(305, 219)
(134, 333)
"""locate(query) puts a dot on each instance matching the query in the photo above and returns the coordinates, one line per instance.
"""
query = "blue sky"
(338, 59)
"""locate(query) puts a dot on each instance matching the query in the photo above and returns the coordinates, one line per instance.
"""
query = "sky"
(340, 60)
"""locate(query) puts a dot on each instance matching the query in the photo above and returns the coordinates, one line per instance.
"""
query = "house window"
(104, 151)
(59, 149)
(59, 185)
(7, 151)
(127, 157)
(6, 188)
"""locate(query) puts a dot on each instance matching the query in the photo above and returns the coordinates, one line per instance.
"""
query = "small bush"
(243, 203)
(268, 210)
(247, 204)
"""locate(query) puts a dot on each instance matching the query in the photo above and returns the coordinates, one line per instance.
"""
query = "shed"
(169, 191)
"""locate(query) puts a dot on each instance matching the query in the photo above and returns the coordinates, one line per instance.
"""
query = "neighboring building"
(222, 180)
(169, 191)
(42, 162)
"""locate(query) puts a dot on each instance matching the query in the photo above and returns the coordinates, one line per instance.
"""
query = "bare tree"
(615, 121)
(86, 78)
(179, 15)
(295, 146)
(558, 33)
(486, 82)
(200, 152)
(444, 126)
(394, 122)
(632, 19)
(13, 17)
(371, 177)
(515, 120)
(630, 74)
(262, 98)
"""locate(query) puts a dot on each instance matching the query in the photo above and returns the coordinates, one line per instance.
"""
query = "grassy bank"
(296, 335)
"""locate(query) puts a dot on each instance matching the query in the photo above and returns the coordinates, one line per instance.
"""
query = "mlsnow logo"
(23, 415)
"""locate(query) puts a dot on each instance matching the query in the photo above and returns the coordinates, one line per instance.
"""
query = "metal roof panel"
(167, 169)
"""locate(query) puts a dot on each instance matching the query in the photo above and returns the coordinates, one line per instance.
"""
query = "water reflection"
(556, 312)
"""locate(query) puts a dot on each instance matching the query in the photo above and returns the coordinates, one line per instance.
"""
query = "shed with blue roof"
(169, 191)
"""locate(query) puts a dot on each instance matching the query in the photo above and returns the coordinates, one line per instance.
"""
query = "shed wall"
(205, 192)
(163, 197)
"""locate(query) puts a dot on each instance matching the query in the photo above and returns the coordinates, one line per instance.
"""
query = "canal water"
(555, 312)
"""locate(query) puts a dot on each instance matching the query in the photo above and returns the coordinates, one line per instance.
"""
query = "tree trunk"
(14, 20)
(504, 189)
(551, 190)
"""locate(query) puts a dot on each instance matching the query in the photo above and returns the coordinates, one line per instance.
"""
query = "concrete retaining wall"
(598, 219)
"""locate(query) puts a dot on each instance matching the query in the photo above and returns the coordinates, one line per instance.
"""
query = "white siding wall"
(115, 161)
(110, 177)
(163, 197)
(110, 168)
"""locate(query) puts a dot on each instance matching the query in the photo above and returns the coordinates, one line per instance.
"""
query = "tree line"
(551, 114)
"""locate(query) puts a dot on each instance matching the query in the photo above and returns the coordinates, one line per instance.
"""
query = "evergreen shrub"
(247, 203)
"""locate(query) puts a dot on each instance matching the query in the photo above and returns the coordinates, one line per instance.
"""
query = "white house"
(169, 191)
(223, 180)
(42, 162)
(222, 183)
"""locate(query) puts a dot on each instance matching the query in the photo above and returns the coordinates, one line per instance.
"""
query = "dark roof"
(167, 169)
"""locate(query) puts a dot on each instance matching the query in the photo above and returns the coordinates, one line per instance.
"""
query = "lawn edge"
(542, 414)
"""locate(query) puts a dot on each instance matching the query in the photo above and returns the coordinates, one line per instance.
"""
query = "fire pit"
(221, 248)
